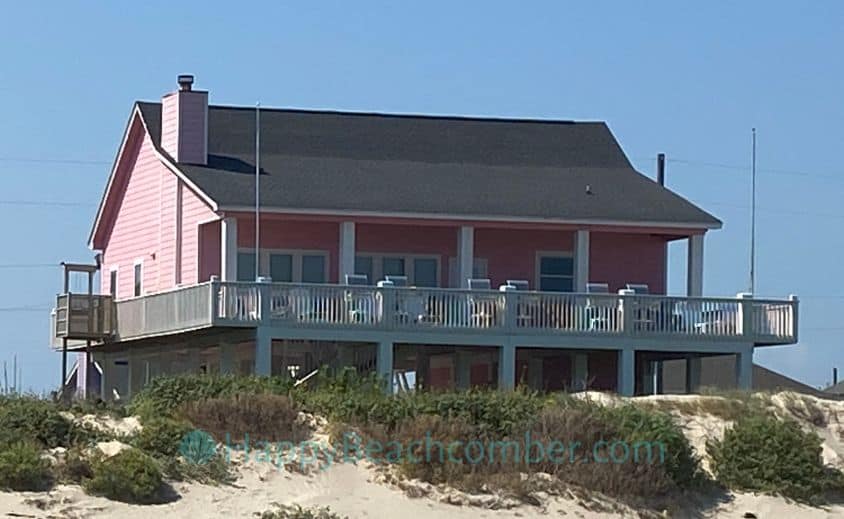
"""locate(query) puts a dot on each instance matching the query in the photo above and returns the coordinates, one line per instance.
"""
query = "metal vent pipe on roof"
(185, 82)
(660, 169)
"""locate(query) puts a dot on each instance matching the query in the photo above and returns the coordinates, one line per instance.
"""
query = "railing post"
(214, 298)
(388, 304)
(744, 326)
(264, 298)
(795, 304)
(510, 298)
(625, 306)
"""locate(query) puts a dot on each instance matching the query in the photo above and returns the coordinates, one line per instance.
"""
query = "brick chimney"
(184, 123)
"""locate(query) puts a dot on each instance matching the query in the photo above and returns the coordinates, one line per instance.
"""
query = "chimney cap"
(185, 81)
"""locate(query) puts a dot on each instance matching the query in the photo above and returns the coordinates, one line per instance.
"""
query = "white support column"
(263, 352)
(626, 372)
(226, 358)
(228, 249)
(507, 367)
(694, 269)
(579, 371)
(384, 364)
(693, 366)
(581, 260)
(465, 255)
(346, 261)
(744, 369)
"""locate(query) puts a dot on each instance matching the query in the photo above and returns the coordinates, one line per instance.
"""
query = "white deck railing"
(511, 312)
(451, 310)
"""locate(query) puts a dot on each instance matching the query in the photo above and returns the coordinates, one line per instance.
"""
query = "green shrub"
(212, 471)
(263, 417)
(161, 437)
(164, 395)
(76, 467)
(360, 401)
(33, 419)
(23, 468)
(130, 476)
(637, 426)
(763, 453)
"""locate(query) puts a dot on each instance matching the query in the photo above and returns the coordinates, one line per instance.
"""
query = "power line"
(46, 203)
(736, 167)
(55, 161)
(28, 265)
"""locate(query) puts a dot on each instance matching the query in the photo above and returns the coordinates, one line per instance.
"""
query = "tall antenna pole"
(753, 216)
(257, 189)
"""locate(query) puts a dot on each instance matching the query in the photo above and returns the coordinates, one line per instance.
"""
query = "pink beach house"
(435, 251)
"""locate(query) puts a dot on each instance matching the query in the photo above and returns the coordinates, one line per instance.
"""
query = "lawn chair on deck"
(482, 307)
(599, 309)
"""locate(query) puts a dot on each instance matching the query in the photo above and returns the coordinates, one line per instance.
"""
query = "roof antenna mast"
(257, 189)
(753, 214)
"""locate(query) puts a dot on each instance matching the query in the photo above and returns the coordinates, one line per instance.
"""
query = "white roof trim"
(485, 218)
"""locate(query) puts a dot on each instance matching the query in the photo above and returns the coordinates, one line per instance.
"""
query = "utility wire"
(46, 203)
(28, 265)
(55, 161)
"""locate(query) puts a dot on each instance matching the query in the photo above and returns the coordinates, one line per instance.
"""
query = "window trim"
(297, 256)
(540, 254)
(409, 271)
(115, 270)
(139, 262)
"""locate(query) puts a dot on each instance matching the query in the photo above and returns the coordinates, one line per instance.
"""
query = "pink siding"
(183, 126)
(135, 231)
(618, 259)
(144, 223)
(293, 234)
(170, 124)
(193, 116)
(511, 253)
(195, 212)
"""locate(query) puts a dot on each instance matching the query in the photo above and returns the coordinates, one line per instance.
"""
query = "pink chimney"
(184, 123)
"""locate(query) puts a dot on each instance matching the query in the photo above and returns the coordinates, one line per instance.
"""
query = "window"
(246, 266)
(112, 283)
(556, 273)
(281, 268)
(285, 266)
(422, 270)
(393, 267)
(139, 271)
(313, 269)
(363, 266)
(425, 272)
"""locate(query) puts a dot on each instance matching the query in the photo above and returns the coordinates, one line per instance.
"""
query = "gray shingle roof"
(313, 160)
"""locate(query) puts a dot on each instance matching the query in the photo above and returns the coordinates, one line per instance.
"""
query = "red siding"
(618, 259)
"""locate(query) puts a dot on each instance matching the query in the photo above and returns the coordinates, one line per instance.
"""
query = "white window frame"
(378, 265)
(297, 254)
(552, 254)
(135, 264)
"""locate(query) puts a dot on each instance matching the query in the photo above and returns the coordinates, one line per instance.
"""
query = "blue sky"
(690, 82)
